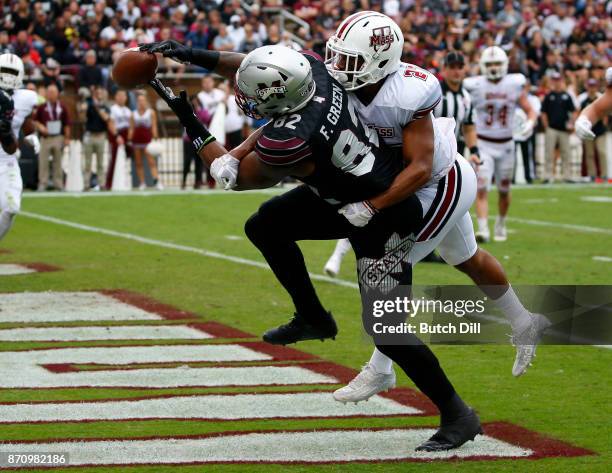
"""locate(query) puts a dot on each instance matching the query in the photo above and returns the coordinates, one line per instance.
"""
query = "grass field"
(189, 251)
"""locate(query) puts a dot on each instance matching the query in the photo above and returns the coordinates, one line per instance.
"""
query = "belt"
(494, 140)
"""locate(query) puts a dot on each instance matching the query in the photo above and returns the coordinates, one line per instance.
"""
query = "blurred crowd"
(77, 41)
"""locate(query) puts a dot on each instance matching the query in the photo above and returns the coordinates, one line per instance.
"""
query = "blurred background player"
(524, 137)
(596, 111)
(495, 95)
(595, 151)
(144, 129)
(16, 108)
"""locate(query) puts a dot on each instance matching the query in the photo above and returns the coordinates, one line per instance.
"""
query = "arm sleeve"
(281, 151)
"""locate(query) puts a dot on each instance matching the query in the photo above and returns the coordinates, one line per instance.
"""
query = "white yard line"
(174, 246)
(226, 407)
(150, 193)
(317, 446)
(603, 259)
(14, 269)
(565, 226)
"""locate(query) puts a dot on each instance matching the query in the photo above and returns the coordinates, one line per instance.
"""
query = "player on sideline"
(395, 99)
(495, 95)
(16, 107)
(316, 136)
(595, 111)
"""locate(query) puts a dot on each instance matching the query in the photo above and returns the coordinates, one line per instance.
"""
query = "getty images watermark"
(469, 315)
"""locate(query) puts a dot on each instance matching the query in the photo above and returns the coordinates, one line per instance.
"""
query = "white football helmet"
(273, 80)
(365, 48)
(11, 71)
(494, 63)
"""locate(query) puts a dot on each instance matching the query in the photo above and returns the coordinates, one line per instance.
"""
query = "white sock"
(501, 221)
(381, 363)
(6, 221)
(513, 309)
(342, 248)
(483, 225)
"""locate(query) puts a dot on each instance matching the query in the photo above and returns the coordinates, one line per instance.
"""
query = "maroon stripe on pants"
(446, 203)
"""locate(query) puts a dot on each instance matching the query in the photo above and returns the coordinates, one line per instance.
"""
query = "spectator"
(210, 96)
(96, 115)
(558, 116)
(235, 30)
(143, 130)
(198, 36)
(189, 152)
(51, 73)
(595, 154)
(223, 42)
(536, 55)
(251, 40)
(558, 25)
(53, 124)
(121, 118)
(90, 74)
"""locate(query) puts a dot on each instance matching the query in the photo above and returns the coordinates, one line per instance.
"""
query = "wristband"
(197, 132)
(373, 210)
(474, 150)
(205, 58)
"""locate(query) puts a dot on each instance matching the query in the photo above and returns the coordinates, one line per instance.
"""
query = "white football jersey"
(495, 104)
(408, 94)
(25, 101)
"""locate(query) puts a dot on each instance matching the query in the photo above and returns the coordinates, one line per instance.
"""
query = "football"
(134, 68)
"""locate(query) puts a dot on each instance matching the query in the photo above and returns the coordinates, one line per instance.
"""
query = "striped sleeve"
(279, 152)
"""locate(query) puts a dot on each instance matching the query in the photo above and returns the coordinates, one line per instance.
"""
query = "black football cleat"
(453, 434)
(298, 330)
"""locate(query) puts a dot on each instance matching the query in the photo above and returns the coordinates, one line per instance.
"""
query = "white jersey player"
(396, 99)
(23, 102)
(495, 97)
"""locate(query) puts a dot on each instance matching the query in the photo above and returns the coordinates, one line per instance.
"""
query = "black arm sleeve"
(205, 58)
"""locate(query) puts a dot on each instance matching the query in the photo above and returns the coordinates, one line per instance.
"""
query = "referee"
(456, 103)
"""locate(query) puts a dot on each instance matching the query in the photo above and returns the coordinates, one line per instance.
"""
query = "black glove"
(198, 133)
(170, 48)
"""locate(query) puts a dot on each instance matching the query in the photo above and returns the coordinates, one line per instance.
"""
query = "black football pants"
(301, 215)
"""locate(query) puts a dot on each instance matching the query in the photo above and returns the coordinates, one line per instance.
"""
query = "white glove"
(224, 170)
(358, 213)
(527, 128)
(609, 76)
(33, 141)
(583, 128)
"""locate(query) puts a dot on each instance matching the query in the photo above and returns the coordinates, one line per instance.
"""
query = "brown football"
(134, 68)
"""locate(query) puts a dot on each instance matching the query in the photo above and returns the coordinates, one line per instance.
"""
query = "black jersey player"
(315, 136)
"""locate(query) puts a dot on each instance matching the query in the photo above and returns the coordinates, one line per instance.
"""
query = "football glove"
(7, 110)
(527, 128)
(33, 141)
(358, 213)
(224, 170)
(583, 128)
(169, 48)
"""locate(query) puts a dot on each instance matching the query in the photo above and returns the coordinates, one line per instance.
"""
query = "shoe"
(332, 267)
(526, 342)
(298, 330)
(453, 434)
(142, 187)
(483, 237)
(363, 386)
(159, 186)
(500, 233)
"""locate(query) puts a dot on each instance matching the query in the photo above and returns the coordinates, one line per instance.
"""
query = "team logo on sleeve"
(382, 37)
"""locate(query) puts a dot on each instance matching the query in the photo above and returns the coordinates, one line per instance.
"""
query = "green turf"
(565, 395)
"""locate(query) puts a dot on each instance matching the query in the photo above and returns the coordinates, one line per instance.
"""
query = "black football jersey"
(350, 165)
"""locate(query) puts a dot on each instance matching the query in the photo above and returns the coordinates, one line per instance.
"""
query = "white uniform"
(409, 94)
(11, 184)
(495, 105)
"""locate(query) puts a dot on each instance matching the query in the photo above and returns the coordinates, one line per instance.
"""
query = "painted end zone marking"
(12, 269)
(501, 441)
(202, 407)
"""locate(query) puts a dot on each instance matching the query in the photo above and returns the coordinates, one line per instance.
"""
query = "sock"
(342, 248)
(501, 221)
(453, 409)
(6, 221)
(483, 225)
(380, 362)
(513, 309)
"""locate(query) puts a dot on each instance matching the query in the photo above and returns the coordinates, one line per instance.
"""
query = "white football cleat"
(500, 233)
(482, 236)
(159, 186)
(365, 385)
(332, 267)
(526, 342)
(142, 187)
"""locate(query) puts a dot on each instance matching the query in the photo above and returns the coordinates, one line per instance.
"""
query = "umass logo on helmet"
(381, 37)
